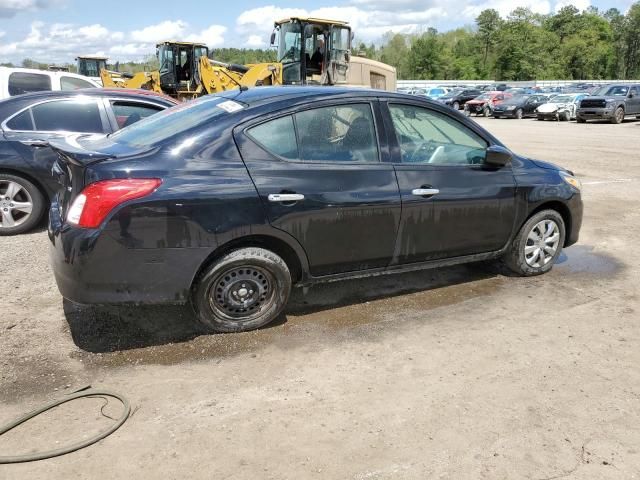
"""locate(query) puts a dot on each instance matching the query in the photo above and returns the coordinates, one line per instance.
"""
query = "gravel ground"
(456, 373)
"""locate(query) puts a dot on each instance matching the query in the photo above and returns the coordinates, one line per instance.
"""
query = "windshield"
(563, 99)
(165, 58)
(609, 91)
(454, 92)
(173, 121)
(289, 45)
(484, 96)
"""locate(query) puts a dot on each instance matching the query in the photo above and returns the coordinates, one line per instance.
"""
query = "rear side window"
(22, 82)
(277, 137)
(128, 113)
(343, 133)
(68, 116)
(72, 83)
(22, 121)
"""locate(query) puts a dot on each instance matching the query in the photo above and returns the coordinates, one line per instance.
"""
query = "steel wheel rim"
(242, 293)
(16, 204)
(542, 243)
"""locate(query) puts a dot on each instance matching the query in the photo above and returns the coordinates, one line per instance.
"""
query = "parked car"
(435, 92)
(457, 98)
(18, 81)
(611, 102)
(520, 106)
(27, 122)
(231, 199)
(560, 107)
(483, 104)
(496, 87)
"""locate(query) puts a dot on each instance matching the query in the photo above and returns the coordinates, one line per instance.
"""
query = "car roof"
(11, 105)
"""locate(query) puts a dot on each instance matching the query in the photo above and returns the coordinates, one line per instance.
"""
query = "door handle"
(285, 197)
(424, 192)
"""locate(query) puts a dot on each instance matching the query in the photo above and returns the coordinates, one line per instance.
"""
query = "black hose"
(84, 393)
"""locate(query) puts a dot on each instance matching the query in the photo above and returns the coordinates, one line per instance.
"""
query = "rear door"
(453, 204)
(320, 177)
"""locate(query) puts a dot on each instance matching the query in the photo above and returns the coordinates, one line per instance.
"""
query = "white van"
(16, 81)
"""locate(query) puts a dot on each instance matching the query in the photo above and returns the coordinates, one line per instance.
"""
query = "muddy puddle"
(324, 313)
(585, 259)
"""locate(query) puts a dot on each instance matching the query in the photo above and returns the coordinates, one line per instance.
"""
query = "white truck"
(16, 81)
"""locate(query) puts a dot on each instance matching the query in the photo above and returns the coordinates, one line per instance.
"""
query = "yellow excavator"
(310, 51)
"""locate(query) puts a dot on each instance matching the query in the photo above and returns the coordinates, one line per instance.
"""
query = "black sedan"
(230, 200)
(28, 121)
(520, 106)
(457, 98)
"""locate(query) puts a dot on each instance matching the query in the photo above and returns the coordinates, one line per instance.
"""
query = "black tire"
(28, 193)
(257, 275)
(581, 120)
(456, 106)
(519, 114)
(486, 112)
(618, 116)
(565, 116)
(516, 257)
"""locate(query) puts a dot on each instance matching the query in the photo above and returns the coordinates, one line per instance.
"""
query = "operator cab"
(312, 50)
(179, 70)
(91, 65)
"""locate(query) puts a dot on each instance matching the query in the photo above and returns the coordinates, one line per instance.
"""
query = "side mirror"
(632, 94)
(498, 156)
(273, 38)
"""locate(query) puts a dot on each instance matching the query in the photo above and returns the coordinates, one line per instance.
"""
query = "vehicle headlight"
(571, 180)
(511, 107)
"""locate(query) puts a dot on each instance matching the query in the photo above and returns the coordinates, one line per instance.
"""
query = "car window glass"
(22, 121)
(339, 133)
(72, 83)
(68, 116)
(21, 82)
(277, 137)
(429, 137)
(128, 113)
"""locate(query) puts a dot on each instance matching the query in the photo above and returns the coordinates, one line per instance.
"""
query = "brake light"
(95, 202)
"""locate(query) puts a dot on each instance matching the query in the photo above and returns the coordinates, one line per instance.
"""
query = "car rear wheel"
(537, 245)
(618, 115)
(21, 205)
(519, 114)
(244, 290)
(456, 106)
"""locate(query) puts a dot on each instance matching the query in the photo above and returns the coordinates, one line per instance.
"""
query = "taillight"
(91, 207)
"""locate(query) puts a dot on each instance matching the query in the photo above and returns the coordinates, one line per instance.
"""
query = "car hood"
(476, 102)
(548, 165)
(552, 107)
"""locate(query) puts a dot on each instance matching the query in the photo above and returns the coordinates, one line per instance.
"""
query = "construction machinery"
(310, 51)
(91, 66)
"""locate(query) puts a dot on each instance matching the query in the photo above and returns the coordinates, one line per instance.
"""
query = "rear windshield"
(174, 121)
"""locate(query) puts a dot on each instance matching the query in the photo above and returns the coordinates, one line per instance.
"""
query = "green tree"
(488, 23)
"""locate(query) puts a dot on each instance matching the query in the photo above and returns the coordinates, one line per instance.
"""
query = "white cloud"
(255, 41)
(212, 36)
(579, 4)
(505, 7)
(167, 30)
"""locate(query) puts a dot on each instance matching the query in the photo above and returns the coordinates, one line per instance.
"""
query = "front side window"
(68, 116)
(21, 82)
(128, 113)
(339, 133)
(433, 138)
(72, 83)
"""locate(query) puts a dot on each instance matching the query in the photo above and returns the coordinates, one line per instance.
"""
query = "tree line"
(567, 45)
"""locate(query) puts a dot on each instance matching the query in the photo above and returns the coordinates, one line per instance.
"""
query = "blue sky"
(57, 30)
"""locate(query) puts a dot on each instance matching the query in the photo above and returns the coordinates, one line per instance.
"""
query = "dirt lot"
(457, 373)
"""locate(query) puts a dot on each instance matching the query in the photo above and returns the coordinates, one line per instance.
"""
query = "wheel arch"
(297, 266)
(39, 185)
(559, 207)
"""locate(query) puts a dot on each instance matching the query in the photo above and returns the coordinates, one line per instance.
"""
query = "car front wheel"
(519, 114)
(244, 290)
(618, 115)
(537, 245)
(21, 205)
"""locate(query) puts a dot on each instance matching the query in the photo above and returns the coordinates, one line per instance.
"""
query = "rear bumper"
(91, 267)
(595, 113)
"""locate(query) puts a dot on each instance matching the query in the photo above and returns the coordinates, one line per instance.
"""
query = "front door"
(633, 100)
(320, 178)
(453, 204)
